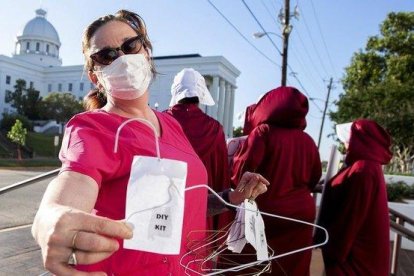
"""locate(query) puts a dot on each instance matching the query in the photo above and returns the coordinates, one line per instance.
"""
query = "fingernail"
(130, 225)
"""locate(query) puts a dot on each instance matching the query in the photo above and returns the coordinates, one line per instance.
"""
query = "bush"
(42, 144)
(397, 191)
(10, 119)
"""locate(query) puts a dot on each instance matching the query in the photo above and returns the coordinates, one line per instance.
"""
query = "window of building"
(47, 48)
(49, 87)
(70, 87)
(31, 84)
(37, 46)
(81, 86)
(60, 87)
(8, 79)
(27, 45)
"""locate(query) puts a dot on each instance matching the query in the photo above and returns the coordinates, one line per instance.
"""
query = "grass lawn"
(41, 162)
(42, 144)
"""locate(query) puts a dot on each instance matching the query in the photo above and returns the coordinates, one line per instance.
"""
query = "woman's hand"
(66, 230)
(250, 186)
(63, 232)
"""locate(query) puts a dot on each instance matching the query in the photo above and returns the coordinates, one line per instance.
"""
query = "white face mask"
(127, 77)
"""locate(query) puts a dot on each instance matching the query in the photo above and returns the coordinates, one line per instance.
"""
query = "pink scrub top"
(87, 148)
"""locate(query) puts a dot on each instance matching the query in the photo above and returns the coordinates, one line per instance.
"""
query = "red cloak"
(355, 209)
(282, 152)
(206, 135)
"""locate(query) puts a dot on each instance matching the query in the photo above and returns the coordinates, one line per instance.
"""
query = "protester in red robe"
(205, 134)
(248, 127)
(355, 209)
(283, 153)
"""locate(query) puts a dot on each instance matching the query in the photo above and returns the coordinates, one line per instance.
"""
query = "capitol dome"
(39, 42)
(41, 28)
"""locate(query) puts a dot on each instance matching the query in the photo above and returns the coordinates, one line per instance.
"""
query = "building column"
(227, 109)
(231, 114)
(213, 110)
(221, 97)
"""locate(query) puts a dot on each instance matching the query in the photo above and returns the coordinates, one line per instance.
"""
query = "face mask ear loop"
(157, 145)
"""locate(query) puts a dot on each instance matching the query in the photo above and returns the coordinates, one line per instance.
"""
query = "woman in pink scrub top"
(79, 223)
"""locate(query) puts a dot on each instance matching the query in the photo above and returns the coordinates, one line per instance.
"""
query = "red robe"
(355, 209)
(206, 135)
(248, 126)
(282, 152)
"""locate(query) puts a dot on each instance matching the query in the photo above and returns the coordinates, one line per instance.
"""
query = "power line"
(304, 68)
(313, 42)
(237, 30)
(290, 68)
(306, 92)
(308, 54)
(263, 29)
(323, 38)
(268, 11)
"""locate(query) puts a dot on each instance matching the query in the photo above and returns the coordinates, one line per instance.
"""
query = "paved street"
(19, 253)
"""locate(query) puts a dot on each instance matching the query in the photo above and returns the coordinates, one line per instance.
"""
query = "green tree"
(379, 85)
(17, 134)
(26, 101)
(237, 132)
(61, 106)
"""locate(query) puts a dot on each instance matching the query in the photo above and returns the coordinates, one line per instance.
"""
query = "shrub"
(9, 119)
(397, 191)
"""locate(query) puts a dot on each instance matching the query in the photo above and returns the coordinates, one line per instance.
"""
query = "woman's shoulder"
(93, 119)
(169, 121)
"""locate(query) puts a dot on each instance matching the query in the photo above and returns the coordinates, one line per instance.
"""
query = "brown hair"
(96, 98)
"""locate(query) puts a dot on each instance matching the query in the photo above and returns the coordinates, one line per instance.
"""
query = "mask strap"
(157, 145)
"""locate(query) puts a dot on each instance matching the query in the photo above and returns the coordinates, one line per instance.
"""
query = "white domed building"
(36, 59)
(39, 42)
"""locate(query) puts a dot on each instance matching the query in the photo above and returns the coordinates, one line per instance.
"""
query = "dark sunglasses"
(107, 55)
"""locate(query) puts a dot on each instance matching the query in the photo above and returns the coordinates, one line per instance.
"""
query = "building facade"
(36, 60)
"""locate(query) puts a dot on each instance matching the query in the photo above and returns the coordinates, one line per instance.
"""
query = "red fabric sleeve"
(220, 166)
(345, 228)
(316, 170)
(86, 150)
(250, 155)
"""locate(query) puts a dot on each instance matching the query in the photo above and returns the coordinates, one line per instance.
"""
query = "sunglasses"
(107, 55)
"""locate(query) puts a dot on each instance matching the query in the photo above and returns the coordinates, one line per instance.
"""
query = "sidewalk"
(19, 255)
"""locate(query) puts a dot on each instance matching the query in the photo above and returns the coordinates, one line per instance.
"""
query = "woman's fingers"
(100, 225)
(67, 270)
(58, 258)
(91, 242)
(258, 190)
(255, 185)
(84, 257)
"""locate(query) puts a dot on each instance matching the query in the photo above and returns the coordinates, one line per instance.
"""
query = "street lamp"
(286, 31)
(156, 105)
(262, 34)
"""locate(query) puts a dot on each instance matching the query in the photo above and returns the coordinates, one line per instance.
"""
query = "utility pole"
(286, 32)
(324, 111)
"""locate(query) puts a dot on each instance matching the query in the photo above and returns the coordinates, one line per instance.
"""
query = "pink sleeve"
(85, 150)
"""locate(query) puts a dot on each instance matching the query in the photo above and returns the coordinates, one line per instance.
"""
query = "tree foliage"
(238, 131)
(61, 106)
(379, 84)
(26, 101)
(17, 134)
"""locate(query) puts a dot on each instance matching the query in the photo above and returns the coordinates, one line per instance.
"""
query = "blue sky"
(322, 41)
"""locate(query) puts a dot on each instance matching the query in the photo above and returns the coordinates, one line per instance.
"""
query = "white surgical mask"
(127, 77)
